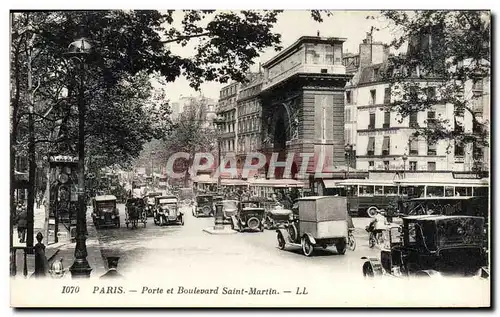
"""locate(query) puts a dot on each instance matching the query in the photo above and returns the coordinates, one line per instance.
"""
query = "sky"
(293, 24)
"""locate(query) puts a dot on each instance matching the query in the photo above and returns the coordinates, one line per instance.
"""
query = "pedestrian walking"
(22, 224)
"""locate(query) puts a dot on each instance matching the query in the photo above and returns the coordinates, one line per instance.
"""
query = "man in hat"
(112, 268)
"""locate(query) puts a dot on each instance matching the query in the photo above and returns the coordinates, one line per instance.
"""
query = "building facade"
(303, 106)
(226, 108)
(384, 140)
(249, 111)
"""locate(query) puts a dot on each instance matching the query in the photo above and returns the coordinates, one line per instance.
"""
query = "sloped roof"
(371, 73)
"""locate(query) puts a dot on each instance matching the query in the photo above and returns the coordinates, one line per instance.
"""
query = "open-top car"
(167, 211)
(429, 245)
(105, 213)
(149, 202)
(248, 217)
(322, 221)
(278, 217)
(229, 208)
(204, 206)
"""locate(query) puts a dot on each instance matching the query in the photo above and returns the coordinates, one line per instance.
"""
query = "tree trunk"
(13, 142)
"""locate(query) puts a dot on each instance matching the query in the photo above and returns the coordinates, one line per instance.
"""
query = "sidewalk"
(65, 251)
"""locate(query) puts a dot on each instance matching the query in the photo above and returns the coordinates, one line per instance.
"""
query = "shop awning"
(204, 179)
(331, 183)
(277, 183)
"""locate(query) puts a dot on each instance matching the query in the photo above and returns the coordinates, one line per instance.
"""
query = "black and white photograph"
(250, 158)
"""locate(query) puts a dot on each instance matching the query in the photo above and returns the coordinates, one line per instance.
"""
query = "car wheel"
(368, 270)
(307, 247)
(253, 223)
(293, 232)
(341, 246)
(281, 241)
(372, 211)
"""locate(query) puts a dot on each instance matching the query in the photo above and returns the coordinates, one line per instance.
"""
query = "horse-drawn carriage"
(135, 212)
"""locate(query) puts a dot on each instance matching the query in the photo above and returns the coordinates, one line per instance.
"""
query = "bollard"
(41, 262)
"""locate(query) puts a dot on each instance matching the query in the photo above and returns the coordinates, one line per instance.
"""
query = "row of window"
(227, 145)
(252, 91)
(431, 119)
(249, 124)
(248, 143)
(429, 91)
(431, 166)
(248, 107)
(386, 147)
(228, 91)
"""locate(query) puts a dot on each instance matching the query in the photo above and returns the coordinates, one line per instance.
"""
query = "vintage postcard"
(215, 158)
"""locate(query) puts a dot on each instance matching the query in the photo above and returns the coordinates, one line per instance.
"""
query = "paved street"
(186, 251)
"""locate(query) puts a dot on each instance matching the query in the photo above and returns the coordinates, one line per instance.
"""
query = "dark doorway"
(280, 144)
(280, 135)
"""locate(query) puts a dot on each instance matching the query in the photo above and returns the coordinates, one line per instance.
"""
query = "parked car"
(429, 245)
(322, 221)
(105, 213)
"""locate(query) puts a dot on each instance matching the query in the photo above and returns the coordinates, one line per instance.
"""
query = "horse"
(133, 215)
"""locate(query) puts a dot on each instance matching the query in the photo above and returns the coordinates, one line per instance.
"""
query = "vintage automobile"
(149, 202)
(135, 212)
(229, 208)
(204, 206)
(431, 245)
(322, 221)
(105, 213)
(249, 217)
(167, 211)
(278, 217)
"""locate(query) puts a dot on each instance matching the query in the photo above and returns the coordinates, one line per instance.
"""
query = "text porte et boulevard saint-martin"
(181, 290)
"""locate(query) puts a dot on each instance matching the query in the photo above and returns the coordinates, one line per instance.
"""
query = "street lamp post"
(405, 157)
(152, 168)
(219, 120)
(78, 50)
(219, 216)
(348, 150)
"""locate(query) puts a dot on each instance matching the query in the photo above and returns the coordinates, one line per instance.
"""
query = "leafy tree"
(125, 44)
(193, 132)
(449, 50)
